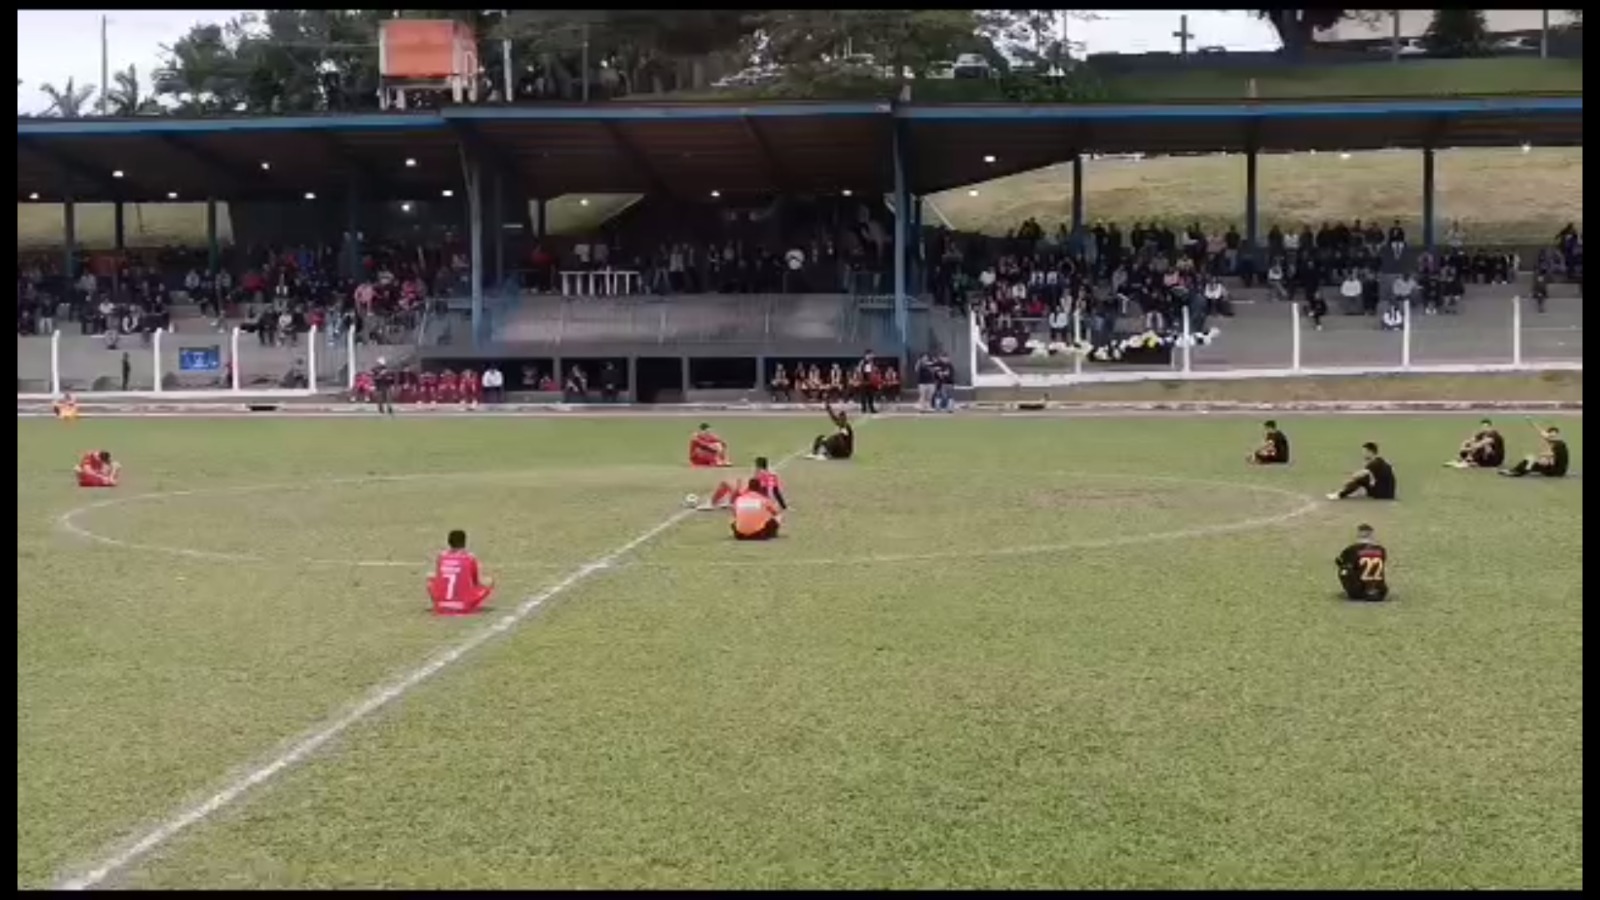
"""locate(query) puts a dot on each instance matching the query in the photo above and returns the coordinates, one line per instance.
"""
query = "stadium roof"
(691, 150)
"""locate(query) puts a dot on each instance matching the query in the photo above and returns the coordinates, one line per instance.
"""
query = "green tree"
(67, 101)
(1457, 32)
(127, 98)
(1297, 27)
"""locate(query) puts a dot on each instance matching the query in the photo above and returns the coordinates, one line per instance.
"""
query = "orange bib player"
(755, 515)
(768, 479)
(65, 409)
(97, 470)
(457, 588)
(707, 450)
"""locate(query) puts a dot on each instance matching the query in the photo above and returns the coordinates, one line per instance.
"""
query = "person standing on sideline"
(867, 376)
(127, 371)
(494, 383)
(924, 382)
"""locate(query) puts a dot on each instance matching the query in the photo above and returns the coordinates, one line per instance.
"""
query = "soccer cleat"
(1333, 497)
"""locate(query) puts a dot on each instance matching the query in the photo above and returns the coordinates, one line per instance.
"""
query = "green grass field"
(1019, 652)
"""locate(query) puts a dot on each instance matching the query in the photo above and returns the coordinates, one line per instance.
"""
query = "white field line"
(309, 744)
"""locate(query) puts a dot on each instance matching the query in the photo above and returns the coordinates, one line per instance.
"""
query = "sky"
(54, 45)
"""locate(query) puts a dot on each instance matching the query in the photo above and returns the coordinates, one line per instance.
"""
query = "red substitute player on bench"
(457, 588)
(96, 470)
(707, 450)
(763, 475)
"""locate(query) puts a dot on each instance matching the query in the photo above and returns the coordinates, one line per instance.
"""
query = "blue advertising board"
(200, 359)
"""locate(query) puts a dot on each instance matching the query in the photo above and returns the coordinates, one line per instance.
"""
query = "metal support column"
(1077, 192)
(119, 232)
(543, 225)
(474, 179)
(352, 232)
(1427, 198)
(497, 220)
(213, 247)
(70, 219)
(902, 205)
(914, 246)
(1252, 199)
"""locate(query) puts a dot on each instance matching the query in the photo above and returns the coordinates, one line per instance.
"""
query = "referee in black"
(383, 381)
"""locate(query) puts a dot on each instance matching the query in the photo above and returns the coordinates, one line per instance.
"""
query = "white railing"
(79, 365)
(599, 283)
(1249, 347)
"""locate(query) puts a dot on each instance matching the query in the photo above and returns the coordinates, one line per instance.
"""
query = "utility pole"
(1394, 41)
(105, 63)
(1544, 34)
(1183, 36)
(586, 62)
(505, 52)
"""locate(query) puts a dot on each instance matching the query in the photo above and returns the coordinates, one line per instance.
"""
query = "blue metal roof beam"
(633, 154)
(73, 165)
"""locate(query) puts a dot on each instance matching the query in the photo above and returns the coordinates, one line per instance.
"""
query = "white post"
(1188, 336)
(1077, 338)
(311, 359)
(1405, 337)
(1516, 331)
(350, 359)
(55, 362)
(972, 342)
(1294, 336)
(233, 359)
(155, 359)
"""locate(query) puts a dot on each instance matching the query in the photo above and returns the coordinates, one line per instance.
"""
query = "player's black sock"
(1350, 487)
(1519, 470)
(817, 445)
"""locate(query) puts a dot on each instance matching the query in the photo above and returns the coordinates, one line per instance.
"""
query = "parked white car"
(971, 65)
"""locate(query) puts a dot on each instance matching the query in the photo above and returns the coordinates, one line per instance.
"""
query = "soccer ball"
(691, 501)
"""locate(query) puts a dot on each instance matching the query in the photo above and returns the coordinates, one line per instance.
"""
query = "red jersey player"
(706, 449)
(457, 588)
(96, 470)
(763, 475)
(430, 388)
(471, 387)
(449, 387)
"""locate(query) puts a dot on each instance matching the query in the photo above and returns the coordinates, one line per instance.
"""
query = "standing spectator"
(925, 382)
(1350, 294)
(494, 382)
(1541, 290)
(1318, 306)
(609, 379)
(1397, 240)
(1402, 288)
(127, 371)
(866, 373)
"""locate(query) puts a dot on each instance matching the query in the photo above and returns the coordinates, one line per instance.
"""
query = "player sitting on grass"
(707, 450)
(1364, 567)
(456, 588)
(65, 409)
(1551, 462)
(755, 516)
(1274, 450)
(839, 445)
(1486, 449)
(768, 479)
(1375, 477)
(96, 470)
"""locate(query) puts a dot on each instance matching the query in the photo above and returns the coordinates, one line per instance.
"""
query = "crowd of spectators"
(1089, 286)
(277, 294)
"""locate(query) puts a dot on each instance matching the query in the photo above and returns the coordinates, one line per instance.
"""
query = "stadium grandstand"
(767, 234)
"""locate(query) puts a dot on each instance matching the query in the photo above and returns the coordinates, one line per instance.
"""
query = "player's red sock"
(724, 492)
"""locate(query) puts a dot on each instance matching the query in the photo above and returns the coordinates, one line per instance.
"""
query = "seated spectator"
(782, 390)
